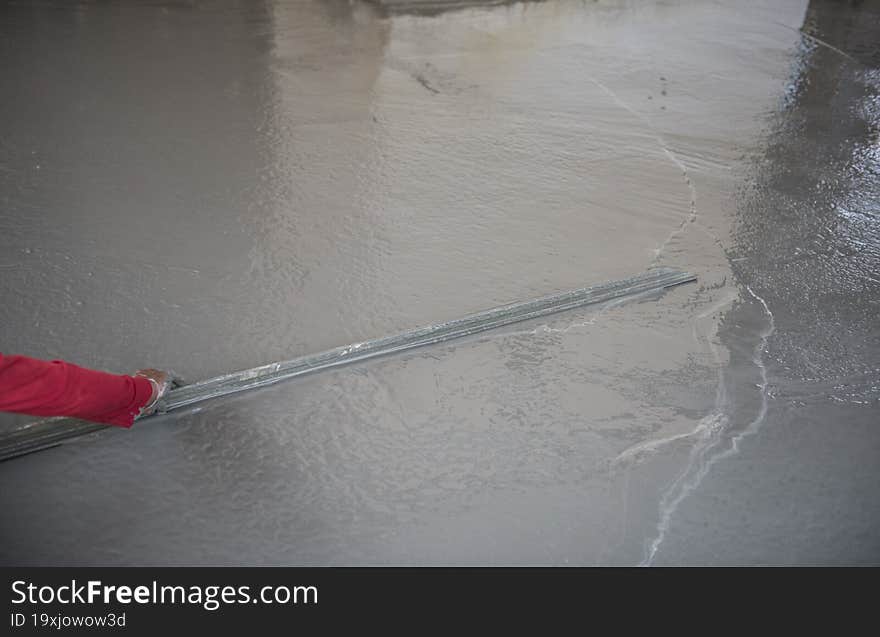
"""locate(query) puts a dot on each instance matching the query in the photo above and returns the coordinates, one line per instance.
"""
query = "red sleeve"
(55, 388)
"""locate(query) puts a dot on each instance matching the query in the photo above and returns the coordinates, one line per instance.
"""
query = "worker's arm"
(56, 388)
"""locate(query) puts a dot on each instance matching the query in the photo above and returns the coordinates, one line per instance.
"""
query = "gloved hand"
(162, 382)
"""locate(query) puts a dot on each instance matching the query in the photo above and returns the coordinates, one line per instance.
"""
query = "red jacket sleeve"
(56, 388)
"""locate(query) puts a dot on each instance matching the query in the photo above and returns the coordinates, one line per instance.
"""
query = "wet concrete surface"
(214, 186)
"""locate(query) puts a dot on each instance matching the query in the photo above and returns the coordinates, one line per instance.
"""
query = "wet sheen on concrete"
(212, 187)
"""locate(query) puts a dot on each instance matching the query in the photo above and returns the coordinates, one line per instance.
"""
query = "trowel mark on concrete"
(703, 456)
(759, 361)
(708, 430)
(816, 40)
(636, 453)
(670, 154)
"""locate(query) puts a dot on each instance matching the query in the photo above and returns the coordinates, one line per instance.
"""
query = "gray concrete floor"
(211, 187)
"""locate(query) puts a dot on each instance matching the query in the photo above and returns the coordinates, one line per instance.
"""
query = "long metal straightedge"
(50, 433)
